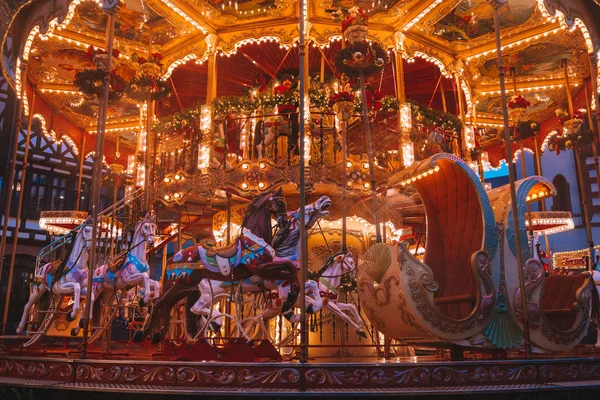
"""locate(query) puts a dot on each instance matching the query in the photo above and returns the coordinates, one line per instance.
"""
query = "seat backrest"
(455, 230)
(560, 291)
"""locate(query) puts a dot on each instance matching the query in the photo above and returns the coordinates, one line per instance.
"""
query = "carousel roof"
(257, 40)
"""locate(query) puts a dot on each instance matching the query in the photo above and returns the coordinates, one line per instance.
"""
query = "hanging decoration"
(91, 83)
(360, 55)
(147, 81)
(577, 132)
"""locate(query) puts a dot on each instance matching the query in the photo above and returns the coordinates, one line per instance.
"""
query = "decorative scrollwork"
(533, 277)
(339, 378)
(278, 376)
(410, 376)
(379, 291)
(196, 376)
(89, 372)
(455, 375)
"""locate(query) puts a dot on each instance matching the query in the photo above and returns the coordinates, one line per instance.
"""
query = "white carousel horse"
(269, 131)
(135, 270)
(286, 246)
(324, 292)
(70, 278)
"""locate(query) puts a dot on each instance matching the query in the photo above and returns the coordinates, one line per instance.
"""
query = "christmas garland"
(177, 122)
(361, 56)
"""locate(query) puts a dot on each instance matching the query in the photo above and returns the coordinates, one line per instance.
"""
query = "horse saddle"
(223, 252)
(221, 259)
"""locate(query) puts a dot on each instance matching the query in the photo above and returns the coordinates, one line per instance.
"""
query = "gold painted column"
(461, 111)
(512, 175)
(401, 90)
(13, 162)
(15, 237)
(110, 7)
(211, 83)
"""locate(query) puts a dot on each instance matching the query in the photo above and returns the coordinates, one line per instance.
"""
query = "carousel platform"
(140, 369)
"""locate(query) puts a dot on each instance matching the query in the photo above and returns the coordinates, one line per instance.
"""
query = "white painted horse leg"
(71, 287)
(155, 286)
(204, 304)
(339, 310)
(34, 296)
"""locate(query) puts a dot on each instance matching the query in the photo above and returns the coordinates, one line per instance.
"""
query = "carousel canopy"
(444, 44)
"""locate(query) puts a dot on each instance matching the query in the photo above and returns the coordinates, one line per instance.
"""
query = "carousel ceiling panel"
(245, 8)
(540, 60)
(135, 22)
(541, 102)
(472, 19)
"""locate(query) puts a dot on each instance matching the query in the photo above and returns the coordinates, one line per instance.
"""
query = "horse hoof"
(82, 323)
(70, 318)
(156, 338)
(138, 336)
(215, 327)
(74, 331)
(362, 334)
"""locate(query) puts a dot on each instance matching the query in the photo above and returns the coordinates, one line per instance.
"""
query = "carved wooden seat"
(449, 295)
(558, 306)
(561, 299)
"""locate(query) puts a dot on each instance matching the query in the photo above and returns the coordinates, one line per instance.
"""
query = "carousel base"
(145, 369)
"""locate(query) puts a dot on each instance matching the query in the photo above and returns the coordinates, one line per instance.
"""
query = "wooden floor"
(143, 369)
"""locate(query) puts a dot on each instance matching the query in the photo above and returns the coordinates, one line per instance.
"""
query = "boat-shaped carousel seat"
(449, 295)
(559, 307)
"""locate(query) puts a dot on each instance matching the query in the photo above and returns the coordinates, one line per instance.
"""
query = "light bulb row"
(420, 176)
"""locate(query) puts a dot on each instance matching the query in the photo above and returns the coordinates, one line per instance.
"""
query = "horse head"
(147, 229)
(317, 210)
(347, 264)
(85, 233)
(260, 211)
(277, 205)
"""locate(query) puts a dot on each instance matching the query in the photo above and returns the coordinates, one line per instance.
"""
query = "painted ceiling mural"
(474, 18)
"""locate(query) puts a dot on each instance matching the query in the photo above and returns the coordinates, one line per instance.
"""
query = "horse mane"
(326, 265)
(253, 206)
(63, 263)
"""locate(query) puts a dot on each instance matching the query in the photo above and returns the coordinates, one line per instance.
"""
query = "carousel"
(291, 196)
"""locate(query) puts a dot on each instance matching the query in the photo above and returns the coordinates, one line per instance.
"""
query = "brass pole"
(511, 177)
(523, 165)
(370, 157)
(303, 356)
(577, 158)
(15, 238)
(401, 93)
(443, 94)
(593, 129)
(462, 150)
(344, 185)
(13, 164)
(80, 177)
(538, 163)
(97, 170)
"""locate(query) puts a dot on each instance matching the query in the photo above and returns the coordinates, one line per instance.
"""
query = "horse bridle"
(348, 269)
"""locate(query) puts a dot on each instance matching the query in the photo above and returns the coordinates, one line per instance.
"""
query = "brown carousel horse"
(248, 256)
